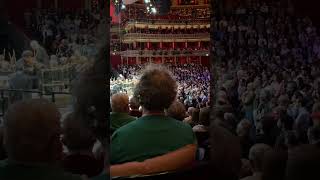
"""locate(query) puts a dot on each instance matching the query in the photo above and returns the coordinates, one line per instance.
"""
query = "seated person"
(256, 156)
(177, 111)
(32, 140)
(80, 141)
(120, 111)
(154, 134)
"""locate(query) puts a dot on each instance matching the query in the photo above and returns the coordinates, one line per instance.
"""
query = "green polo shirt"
(103, 176)
(118, 120)
(15, 171)
(148, 137)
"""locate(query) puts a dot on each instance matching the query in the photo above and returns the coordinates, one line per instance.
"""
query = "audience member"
(256, 156)
(155, 91)
(80, 141)
(120, 111)
(32, 141)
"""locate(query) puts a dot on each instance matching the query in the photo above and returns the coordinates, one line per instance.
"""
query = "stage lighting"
(153, 10)
(123, 6)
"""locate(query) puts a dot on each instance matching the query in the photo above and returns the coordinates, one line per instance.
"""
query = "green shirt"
(15, 171)
(148, 137)
(103, 176)
(119, 119)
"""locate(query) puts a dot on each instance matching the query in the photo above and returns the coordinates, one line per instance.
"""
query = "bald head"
(256, 155)
(32, 131)
(120, 103)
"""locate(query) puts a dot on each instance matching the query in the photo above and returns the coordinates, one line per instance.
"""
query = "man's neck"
(146, 112)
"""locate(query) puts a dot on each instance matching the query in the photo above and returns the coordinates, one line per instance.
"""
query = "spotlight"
(123, 6)
(146, 1)
(154, 11)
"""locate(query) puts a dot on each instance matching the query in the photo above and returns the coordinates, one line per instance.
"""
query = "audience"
(32, 142)
(164, 134)
(256, 156)
(193, 82)
(176, 111)
(79, 141)
(120, 111)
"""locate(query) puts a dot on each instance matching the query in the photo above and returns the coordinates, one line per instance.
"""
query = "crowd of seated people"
(62, 33)
(267, 89)
(175, 15)
(193, 80)
(38, 143)
(264, 122)
(169, 31)
(144, 144)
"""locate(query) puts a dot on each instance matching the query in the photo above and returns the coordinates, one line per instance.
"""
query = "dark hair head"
(204, 116)
(303, 163)
(91, 97)
(274, 165)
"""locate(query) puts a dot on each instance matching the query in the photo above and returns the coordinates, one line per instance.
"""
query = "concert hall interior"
(159, 89)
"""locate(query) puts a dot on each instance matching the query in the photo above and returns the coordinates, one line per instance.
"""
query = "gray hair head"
(34, 44)
(256, 155)
(27, 53)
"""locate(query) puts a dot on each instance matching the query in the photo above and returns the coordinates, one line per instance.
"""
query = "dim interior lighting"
(207, 54)
(123, 6)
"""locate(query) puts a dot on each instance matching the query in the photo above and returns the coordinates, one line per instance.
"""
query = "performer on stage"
(40, 53)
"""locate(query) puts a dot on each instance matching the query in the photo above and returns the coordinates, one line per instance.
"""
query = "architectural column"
(173, 45)
(186, 44)
(56, 5)
(199, 44)
(174, 2)
(160, 44)
(148, 45)
(201, 2)
(39, 4)
(87, 4)
(138, 60)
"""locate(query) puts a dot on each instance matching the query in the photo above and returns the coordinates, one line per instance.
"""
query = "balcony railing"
(173, 21)
(158, 36)
(165, 53)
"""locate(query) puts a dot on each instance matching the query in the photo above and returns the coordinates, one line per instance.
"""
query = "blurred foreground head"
(303, 163)
(32, 132)
(91, 96)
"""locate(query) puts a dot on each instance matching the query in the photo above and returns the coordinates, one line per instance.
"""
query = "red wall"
(115, 60)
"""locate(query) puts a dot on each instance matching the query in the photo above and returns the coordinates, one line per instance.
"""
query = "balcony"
(139, 37)
(163, 53)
